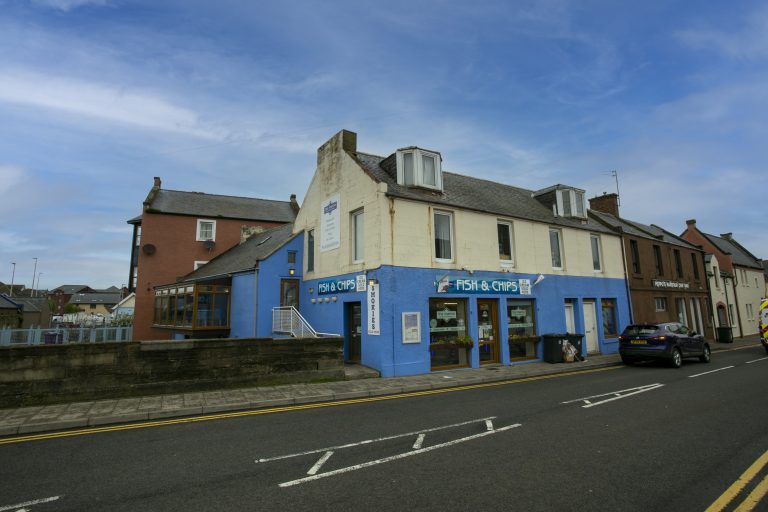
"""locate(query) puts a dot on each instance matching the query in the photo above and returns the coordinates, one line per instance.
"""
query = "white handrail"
(288, 320)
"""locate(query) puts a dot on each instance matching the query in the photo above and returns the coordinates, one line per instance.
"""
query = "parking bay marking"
(416, 449)
(711, 371)
(19, 506)
(615, 395)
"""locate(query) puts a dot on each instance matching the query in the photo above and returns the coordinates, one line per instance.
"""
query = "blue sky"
(231, 97)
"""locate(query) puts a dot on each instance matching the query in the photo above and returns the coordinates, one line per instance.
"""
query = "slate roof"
(108, 299)
(739, 255)
(7, 303)
(33, 304)
(246, 255)
(213, 206)
(637, 229)
(476, 194)
(69, 289)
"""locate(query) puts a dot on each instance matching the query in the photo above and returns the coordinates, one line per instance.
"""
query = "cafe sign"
(449, 284)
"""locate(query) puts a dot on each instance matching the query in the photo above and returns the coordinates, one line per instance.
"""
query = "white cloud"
(10, 176)
(751, 42)
(105, 102)
(66, 5)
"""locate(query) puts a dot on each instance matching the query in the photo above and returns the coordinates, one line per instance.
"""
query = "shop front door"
(488, 331)
(353, 332)
(289, 293)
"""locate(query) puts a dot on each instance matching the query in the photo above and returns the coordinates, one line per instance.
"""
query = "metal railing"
(58, 335)
(288, 321)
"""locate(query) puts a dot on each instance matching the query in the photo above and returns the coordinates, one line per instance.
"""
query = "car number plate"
(639, 342)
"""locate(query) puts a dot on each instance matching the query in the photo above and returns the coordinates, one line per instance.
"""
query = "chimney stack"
(294, 204)
(157, 181)
(607, 203)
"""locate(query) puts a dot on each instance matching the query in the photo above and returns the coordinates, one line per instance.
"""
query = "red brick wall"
(695, 237)
(176, 251)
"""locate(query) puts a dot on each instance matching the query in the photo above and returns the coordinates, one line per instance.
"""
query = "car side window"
(683, 330)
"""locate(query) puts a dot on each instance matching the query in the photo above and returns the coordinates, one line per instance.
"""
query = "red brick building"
(179, 231)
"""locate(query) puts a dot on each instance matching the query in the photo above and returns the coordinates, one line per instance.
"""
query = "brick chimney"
(607, 203)
(727, 236)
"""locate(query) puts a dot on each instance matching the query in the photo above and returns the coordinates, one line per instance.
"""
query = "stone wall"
(61, 373)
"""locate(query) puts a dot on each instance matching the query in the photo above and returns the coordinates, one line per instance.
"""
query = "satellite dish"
(149, 249)
(209, 244)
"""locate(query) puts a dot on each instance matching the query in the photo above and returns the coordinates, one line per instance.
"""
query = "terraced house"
(423, 269)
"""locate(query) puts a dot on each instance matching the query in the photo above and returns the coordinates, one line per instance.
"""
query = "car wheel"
(627, 360)
(677, 358)
(706, 356)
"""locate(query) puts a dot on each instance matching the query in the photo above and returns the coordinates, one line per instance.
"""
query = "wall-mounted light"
(327, 299)
(311, 290)
(333, 298)
(291, 271)
(312, 301)
(372, 281)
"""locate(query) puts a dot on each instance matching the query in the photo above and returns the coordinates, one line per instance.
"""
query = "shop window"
(449, 343)
(556, 248)
(609, 318)
(506, 246)
(521, 329)
(443, 224)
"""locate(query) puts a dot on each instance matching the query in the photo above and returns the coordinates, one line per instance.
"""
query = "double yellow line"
(754, 497)
(288, 408)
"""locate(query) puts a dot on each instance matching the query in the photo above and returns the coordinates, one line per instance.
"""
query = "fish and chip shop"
(408, 321)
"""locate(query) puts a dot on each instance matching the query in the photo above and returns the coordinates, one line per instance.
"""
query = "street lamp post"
(13, 275)
(34, 271)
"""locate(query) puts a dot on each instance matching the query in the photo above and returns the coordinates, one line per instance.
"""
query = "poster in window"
(330, 223)
(412, 327)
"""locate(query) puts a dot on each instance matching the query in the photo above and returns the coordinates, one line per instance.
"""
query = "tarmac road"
(645, 437)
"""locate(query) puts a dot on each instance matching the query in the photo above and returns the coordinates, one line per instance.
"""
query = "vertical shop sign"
(330, 223)
(373, 309)
(360, 279)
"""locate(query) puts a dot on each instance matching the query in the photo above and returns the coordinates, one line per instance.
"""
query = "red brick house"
(178, 232)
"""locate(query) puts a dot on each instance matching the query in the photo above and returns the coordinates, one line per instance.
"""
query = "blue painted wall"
(260, 291)
(407, 290)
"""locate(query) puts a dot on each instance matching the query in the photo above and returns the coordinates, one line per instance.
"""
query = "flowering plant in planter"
(465, 341)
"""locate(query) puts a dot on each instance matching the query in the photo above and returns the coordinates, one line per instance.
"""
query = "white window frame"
(451, 229)
(356, 216)
(213, 230)
(418, 168)
(511, 230)
(593, 236)
(560, 248)
(660, 300)
(199, 263)
(577, 203)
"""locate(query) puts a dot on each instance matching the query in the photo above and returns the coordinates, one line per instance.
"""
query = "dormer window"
(419, 168)
(570, 203)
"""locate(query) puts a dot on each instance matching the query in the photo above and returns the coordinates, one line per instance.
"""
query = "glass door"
(488, 335)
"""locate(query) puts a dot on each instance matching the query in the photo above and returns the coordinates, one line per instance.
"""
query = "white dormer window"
(570, 203)
(419, 168)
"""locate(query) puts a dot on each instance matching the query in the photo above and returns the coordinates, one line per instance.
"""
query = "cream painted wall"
(476, 244)
(747, 292)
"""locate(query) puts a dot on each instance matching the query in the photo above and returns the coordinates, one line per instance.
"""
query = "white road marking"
(489, 425)
(615, 395)
(368, 441)
(396, 457)
(419, 441)
(707, 373)
(29, 503)
(322, 460)
(756, 360)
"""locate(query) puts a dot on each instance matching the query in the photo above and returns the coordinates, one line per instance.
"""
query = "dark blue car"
(670, 341)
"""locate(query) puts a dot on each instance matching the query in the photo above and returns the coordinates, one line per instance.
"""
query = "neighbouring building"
(666, 275)
(95, 303)
(63, 294)
(179, 232)
(235, 293)
(412, 264)
(125, 307)
(736, 280)
(36, 311)
(10, 313)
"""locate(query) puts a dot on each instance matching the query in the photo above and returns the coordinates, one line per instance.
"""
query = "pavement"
(361, 383)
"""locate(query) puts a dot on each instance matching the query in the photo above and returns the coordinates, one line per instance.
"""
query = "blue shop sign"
(332, 286)
(450, 284)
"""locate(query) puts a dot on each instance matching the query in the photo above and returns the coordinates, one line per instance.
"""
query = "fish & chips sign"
(450, 284)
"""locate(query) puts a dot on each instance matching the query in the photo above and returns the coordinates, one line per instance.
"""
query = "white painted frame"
(411, 335)
(198, 236)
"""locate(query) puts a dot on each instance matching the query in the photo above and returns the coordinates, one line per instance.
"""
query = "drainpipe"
(255, 299)
(626, 275)
(735, 282)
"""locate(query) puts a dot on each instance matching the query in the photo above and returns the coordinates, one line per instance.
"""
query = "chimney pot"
(691, 222)
(157, 181)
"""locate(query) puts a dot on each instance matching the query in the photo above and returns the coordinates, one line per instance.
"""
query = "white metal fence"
(288, 321)
(55, 336)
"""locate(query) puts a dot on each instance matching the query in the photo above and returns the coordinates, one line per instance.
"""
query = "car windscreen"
(640, 330)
